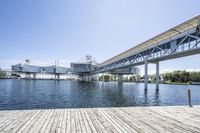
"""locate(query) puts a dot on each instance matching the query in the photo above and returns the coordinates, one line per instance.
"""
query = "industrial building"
(40, 69)
(41, 72)
(82, 70)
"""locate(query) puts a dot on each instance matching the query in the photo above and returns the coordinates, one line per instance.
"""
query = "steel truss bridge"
(180, 41)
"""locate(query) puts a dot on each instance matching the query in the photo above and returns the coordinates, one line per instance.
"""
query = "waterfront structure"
(35, 72)
(84, 66)
(177, 119)
(81, 67)
(83, 70)
(179, 41)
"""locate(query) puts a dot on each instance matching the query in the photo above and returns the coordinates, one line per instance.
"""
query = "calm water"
(32, 94)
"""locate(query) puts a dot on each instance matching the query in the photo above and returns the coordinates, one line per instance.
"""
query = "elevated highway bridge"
(179, 41)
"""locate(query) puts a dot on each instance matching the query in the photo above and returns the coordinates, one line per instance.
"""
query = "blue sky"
(67, 30)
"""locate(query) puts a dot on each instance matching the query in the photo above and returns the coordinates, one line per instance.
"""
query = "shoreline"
(171, 83)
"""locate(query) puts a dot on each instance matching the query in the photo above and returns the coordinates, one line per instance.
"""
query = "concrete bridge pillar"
(80, 78)
(103, 79)
(34, 75)
(57, 76)
(98, 79)
(95, 77)
(146, 75)
(28, 76)
(157, 76)
(85, 78)
(120, 77)
(88, 78)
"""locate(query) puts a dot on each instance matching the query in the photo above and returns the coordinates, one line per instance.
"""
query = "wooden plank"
(77, 121)
(120, 119)
(5, 119)
(38, 122)
(73, 124)
(20, 119)
(64, 121)
(68, 121)
(108, 126)
(127, 119)
(45, 123)
(81, 121)
(54, 121)
(50, 122)
(92, 127)
(85, 121)
(111, 119)
(98, 125)
(133, 124)
(59, 122)
(149, 123)
(180, 122)
(27, 127)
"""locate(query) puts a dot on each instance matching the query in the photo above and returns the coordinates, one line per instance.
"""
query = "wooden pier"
(175, 119)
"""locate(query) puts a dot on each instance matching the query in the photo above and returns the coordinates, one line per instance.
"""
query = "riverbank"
(71, 79)
(88, 120)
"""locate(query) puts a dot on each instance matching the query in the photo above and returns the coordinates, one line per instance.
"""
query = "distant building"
(81, 67)
(40, 69)
(143, 77)
(41, 72)
(56, 69)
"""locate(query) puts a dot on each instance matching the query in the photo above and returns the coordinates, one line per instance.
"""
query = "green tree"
(2, 74)
(182, 76)
(105, 77)
(132, 78)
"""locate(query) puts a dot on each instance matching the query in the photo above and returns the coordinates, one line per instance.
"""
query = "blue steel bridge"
(179, 41)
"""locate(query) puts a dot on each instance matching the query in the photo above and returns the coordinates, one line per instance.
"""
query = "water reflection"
(145, 97)
(32, 94)
(157, 98)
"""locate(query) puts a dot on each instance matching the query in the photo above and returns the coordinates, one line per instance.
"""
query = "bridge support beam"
(120, 77)
(103, 79)
(88, 78)
(145, 75)
(94, 77)
(57, 76)
(28, 76)
(34, 75)
(157, 76)
(85, 78)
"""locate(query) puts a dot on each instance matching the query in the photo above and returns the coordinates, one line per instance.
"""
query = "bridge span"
(179, 41)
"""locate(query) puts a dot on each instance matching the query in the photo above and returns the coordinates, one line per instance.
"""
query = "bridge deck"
(128, 119)
(165, 36)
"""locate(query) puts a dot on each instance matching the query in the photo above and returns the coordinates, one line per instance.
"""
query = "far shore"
(151, 82)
